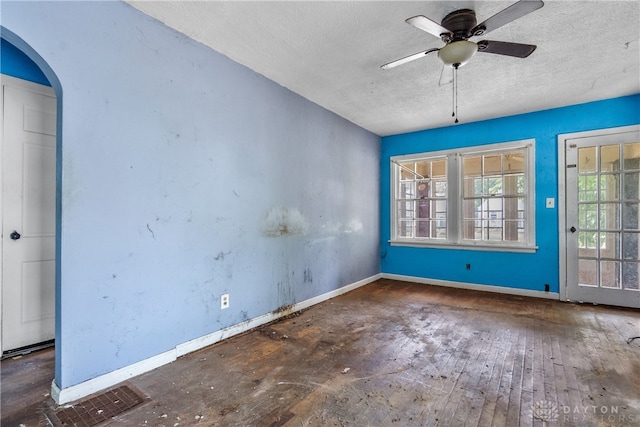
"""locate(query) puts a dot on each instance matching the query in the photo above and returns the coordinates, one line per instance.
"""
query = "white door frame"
(34, 87)
(562, 208)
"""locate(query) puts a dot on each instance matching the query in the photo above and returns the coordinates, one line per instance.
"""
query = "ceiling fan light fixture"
(457, 53)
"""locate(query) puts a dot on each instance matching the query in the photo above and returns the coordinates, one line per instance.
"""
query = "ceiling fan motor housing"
(460, 23)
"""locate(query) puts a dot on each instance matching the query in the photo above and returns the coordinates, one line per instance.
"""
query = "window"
(479, 197)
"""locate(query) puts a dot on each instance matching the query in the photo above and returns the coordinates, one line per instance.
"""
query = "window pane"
(423, 169)
(439, 169)
(440, 189)
(406, 210)
(610, 158)
(422, 189)
(513, 233)
(407, 190)
(492, 165)
(472, 187)
(492, 186)
(472, 166)
(513, 185)
(422, 228)
(587, 159)
(632, 156)
(405, 229)
(424, 209)
(472, 230)
(514, 162)
(406, 171)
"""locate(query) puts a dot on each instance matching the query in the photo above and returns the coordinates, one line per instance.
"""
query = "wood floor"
(391, 354)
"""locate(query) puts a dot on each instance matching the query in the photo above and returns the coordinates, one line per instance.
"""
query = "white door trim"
(562, 208)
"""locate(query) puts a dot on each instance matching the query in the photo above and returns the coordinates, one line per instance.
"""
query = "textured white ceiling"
(330, 52)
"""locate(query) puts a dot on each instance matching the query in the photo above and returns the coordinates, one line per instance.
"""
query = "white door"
(602, 217)
(28, 213)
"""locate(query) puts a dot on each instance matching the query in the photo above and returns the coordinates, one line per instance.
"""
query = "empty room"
(320, 213)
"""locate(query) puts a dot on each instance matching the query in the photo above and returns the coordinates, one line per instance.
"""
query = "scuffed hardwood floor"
(394, 354)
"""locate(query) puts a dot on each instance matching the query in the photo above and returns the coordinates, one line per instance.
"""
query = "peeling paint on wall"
(284, 221)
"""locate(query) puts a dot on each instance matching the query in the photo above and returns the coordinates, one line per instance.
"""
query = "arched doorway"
(39, 210)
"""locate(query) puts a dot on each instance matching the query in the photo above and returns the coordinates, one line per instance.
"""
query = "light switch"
(551, 202)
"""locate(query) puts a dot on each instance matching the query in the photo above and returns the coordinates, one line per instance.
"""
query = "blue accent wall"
(183, 176)
(515, 270)
(16, 64)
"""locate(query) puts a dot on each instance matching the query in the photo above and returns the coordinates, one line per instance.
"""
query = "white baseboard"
(78, 391)
(474, 286)
(69, 394)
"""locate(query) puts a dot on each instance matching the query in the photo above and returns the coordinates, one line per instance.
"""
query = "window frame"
(455, 193)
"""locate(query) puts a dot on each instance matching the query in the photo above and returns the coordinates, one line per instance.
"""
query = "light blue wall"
(515, 270)
(176, 165)
(13, 62)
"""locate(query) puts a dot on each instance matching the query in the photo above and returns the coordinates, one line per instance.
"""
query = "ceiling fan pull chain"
(455, 93)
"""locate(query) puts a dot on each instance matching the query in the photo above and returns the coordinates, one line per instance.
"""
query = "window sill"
(462, 246)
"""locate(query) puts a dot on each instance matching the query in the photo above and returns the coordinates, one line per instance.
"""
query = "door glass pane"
(609, 187)
(587, 188)
(630, 191)
(610, 158)
(588, 216)
(610, 216)
(588, 272)
(610, 245)
(587, 159)
(630, 216)
(630, 249)
(610, 274)
(632, 156)
(630, 275)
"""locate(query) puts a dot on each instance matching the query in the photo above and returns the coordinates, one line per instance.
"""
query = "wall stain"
(151, 231)
(308, 277)
(221, 255)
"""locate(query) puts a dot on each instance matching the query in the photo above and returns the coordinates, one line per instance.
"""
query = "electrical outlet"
(224, 301)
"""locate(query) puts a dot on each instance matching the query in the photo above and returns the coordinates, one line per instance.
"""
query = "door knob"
(572, 229)
(15, 235)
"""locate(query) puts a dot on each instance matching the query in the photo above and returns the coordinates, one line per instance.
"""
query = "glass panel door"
(603, 219)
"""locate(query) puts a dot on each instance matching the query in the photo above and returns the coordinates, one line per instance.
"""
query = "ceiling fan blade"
(518, 50)
(406, 59)
(513, 12)
(425, 24)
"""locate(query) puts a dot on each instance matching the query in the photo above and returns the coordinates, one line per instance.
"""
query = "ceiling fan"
(459, 26)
